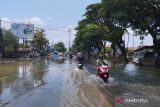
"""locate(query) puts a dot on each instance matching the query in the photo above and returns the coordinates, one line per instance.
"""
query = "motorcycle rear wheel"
(105, 79)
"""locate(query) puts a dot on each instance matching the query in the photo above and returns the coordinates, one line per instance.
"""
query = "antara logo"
(123, 100)
(134, 100)
(120, 100)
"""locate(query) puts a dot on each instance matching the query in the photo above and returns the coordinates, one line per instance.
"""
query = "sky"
(51, 14)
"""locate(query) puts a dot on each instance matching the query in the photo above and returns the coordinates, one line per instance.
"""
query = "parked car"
(144, 58)
(137, 57)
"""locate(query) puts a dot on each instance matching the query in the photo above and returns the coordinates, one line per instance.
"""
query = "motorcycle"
(103, 72)
(80, 66)
(70, 56)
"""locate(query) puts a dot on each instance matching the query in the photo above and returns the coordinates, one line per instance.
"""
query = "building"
(145, 56)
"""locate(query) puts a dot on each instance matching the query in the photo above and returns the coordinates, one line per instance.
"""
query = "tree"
(110, 20)
(116, 31)
(91, 33)
(40, 42)
(60, 47)
(72, 49)
(103, 27)
(142, 16)
(10, 43)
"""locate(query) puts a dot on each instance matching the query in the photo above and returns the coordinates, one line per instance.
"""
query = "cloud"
(50, 18)
(33, 20)
(6, 19)
(6, 23)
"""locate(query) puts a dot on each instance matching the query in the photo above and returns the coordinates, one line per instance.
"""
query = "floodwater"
(44, 83)
(131, 80)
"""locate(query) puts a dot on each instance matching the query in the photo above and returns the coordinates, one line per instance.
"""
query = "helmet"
(79, 53)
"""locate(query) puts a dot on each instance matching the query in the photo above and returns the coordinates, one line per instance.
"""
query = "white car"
(137, 57)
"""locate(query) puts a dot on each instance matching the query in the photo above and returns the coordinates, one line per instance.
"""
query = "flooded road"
(132, 81)
(44, 83)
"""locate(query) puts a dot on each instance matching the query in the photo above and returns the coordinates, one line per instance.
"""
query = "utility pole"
(69, 41)
(133, 41)
(1, 42)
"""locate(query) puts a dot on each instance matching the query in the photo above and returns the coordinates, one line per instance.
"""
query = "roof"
(108, 46)
(131, 49)
(144, 47)
(24, 49)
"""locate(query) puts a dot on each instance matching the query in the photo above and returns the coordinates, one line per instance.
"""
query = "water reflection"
(131, 73)
(130, 69)
(17, 78)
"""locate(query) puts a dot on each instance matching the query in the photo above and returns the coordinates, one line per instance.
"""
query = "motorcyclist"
(101, 60)
(80, 58)
(70, 56)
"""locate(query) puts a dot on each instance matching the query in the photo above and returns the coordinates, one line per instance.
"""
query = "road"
(133, 81)
(44, 83)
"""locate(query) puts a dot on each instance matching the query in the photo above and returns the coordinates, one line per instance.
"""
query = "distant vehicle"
(80, 60)
(143, 55)
(70, 56)
(137, 57)
(144, 58)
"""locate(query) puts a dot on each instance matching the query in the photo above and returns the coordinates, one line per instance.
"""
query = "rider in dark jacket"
(70, 56)
(80, 58)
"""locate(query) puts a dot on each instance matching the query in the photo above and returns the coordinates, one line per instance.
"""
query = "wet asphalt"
(46, 83)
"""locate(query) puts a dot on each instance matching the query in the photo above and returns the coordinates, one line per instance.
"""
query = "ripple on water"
(82, 91)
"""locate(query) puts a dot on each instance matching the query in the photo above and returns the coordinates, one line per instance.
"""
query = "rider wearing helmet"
(70, 56)
(80, 58)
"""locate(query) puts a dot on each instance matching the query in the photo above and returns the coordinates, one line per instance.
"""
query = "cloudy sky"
(50, 14)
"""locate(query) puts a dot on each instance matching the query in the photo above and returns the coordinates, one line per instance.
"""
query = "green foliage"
(89, 38)
(141, 15)
(40, 42)
(10, 43)
(96, 29)
(9, 51)
(72, 49)
(109, 20)
(60, 47)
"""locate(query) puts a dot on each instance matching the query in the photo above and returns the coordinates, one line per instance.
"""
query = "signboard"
(23, 30)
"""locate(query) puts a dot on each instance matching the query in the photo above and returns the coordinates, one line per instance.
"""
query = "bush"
(9, 51)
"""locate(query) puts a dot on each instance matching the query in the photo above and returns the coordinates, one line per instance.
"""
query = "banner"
(23, 30)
